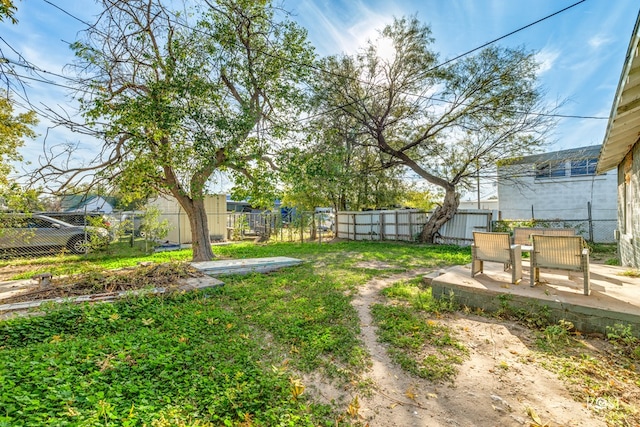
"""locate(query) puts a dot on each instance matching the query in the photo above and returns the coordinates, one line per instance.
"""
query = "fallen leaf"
(410, 393)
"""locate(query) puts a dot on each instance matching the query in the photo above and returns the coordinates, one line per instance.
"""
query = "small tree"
(334, 167)
(152, 228)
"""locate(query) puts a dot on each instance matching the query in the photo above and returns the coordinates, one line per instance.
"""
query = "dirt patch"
(501, 383)
(9, 271)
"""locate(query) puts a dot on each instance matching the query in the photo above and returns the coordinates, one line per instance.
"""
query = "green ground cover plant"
(237, 355)
(609, 378)
(417, 341)
(233, 355)
(402, 256)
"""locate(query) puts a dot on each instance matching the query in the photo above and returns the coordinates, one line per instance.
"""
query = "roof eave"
(614, 148)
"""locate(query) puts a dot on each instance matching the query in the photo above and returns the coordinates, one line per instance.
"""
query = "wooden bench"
(522, 235)
(560, 253)
(496, 247)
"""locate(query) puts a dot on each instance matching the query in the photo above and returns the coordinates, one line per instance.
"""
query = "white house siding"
(629, 239)
(491, 205)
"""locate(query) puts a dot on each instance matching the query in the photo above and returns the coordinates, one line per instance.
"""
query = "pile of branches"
(166, 275)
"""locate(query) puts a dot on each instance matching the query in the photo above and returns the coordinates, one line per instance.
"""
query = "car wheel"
(78, 245)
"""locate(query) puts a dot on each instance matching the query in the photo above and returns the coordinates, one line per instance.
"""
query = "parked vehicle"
(76, 218)
(36, 233)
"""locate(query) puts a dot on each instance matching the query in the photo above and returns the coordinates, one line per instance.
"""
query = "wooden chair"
(496, 247)
(560, 253)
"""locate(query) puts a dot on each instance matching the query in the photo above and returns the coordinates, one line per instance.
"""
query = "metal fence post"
(590, 222)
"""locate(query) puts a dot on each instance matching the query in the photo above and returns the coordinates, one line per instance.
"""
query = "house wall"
(629, 239)
(180, 229)
(555, 198)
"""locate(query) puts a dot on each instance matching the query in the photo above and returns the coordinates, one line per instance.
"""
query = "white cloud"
(547, 59)
(599, 40)
(344, 28)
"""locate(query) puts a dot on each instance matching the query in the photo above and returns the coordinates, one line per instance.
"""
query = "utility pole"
(478, 180)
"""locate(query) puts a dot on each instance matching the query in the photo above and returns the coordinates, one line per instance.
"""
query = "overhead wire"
(41, 79)
(321, 70)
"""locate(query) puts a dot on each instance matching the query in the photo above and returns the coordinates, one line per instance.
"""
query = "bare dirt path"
(497, 386)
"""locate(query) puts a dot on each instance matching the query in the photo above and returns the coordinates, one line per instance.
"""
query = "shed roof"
(589, 152)
(623, 128)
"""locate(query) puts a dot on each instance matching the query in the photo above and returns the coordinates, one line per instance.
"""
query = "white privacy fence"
(406, 225)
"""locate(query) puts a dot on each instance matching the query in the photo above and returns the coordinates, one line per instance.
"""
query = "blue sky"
(581, 50)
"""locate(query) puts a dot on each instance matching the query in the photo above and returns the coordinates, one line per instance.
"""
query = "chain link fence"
(54, 233)
(593, 231)
(290, 227)
(36, 234)
(78, 233)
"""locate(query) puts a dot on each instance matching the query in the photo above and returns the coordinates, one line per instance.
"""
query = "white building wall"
(555, 198)
(179, 227)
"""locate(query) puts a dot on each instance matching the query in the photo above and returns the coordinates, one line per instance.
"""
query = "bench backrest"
(492, 246)
(559, 252)
(522, 235)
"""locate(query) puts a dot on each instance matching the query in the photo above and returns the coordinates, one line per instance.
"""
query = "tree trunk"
(440, 216)
(313, 236)
(200, 241)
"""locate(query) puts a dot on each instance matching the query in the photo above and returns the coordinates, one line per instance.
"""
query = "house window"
(550, 170)
(583, 167)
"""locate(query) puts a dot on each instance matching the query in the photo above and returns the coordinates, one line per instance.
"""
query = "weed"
(623, 338)
(533, 315)
(557, 336)
(419, 298)
(418, 344)
(630, 273)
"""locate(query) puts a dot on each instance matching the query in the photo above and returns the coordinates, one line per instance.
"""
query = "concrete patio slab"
(614, 299)
(244, 266)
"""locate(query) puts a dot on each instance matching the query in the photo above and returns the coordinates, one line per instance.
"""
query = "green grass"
(234, 355)
(417, 341)
(402, 255)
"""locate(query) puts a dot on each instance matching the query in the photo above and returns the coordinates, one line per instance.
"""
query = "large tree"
(443, 122)
(8, 10)
(13, 129)
(332, 168)
(180, 96)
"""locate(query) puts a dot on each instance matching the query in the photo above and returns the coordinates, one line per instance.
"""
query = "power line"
(506, 35)
(36, 69)
(321, 70)
(68, 13)
(293, 62)
(39, 80)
